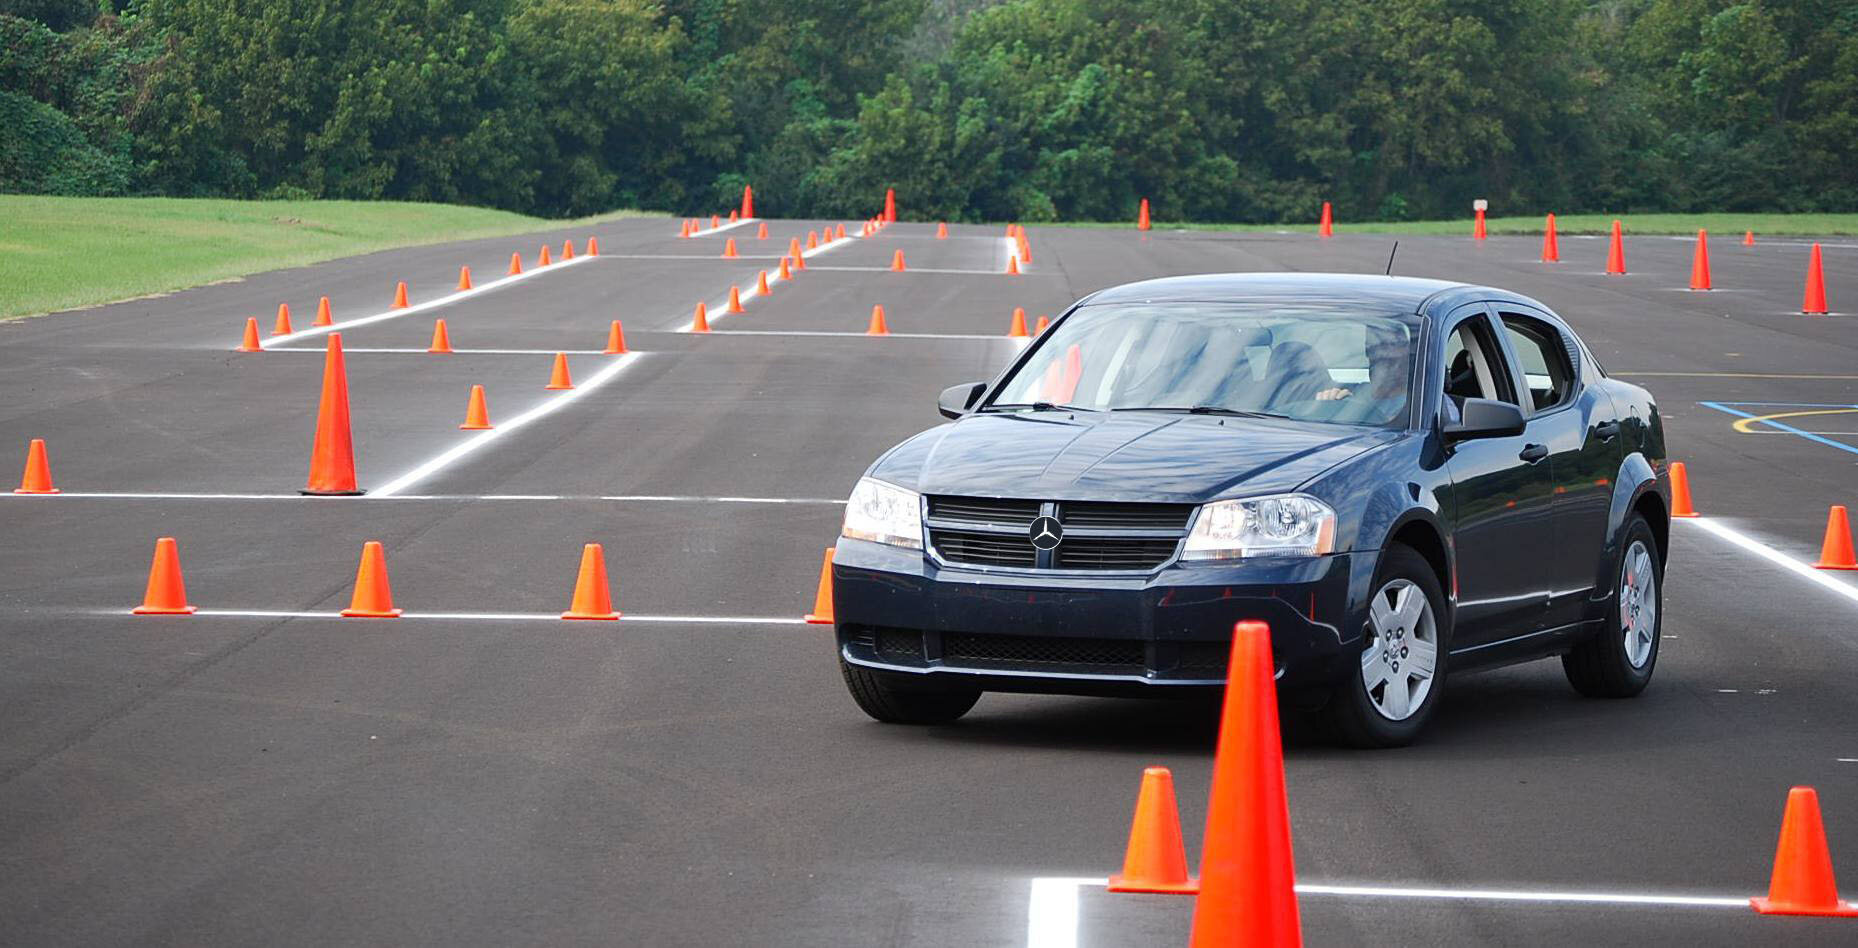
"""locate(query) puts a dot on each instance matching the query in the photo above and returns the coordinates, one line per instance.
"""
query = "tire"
(1605, 666)
(1366, 713)
(896, 699)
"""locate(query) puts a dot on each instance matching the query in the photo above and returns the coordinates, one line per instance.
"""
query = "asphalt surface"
(301, 780)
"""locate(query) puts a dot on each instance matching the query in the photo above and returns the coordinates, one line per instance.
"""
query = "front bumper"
(1077, 633)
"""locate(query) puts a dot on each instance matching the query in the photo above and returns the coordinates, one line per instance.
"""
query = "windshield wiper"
(1207, 410)
(1035, 406)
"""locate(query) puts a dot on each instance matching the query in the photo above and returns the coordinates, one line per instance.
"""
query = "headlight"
(1283, 525)
(884, 513)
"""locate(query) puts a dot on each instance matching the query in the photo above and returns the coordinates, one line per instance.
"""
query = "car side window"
(1543, 355)
(1473, 367)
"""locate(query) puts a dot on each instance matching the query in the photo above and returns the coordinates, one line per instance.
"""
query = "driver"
(1389, 362)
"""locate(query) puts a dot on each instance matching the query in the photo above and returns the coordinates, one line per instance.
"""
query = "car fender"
(1376, 495)
(1636, 478)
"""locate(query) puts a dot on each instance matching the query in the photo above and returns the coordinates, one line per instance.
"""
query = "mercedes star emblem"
(1046, 532)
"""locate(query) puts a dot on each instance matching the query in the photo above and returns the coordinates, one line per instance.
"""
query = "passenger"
(1390, 360)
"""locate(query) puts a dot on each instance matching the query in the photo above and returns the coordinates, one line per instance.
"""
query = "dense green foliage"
(1027, 109)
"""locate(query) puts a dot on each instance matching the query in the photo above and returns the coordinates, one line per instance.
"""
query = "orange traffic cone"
(250, 343)
(841, 233)
(323, 315)
(1039, 330)
(1477, 224)
(1156, 860)
(735, 300)
(441, 339)
(373, 598)
(1836, 550)
(1814, 303)
(896, 261)
(567, 249)
(1325, 225)
(683, 229)
(761, 283)
(890, 204)
(1551, 243)
(616, 339)
(516, 264)
(1802, 883)
(786, 274)
(464, 278)
(732, 215)
(593, 596)
(715, 222)
(1012, 266)
(593, 246)
(1616, 252)
(729, 247)
(878, 328)
(793, 250)
(761, 232)
(558, 380)
(702, 322)
(38, 476)
(1680, 492)
(1025, 246)
(822, 600)
(477, 412)
(400, 295)
(1141, 216)
(332, 452)
(282, 326)
(1018, 329)
(544, 259)
(748, 202)
(812, 240)
(1748, 238)
(167, 594)
(1247, 877)
(1700, 262)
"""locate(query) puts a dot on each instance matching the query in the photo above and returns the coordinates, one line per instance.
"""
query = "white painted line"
(857, 335)
(719, 310)
(911, 270)
(1051, 913)
(419, 351)
(471, 444)
(484, 616)
(1799, 567)
(305, 333)
(726, 225)
(622, 498)
(1052, 907)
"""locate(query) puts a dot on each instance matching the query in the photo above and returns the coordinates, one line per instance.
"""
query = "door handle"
(1533, 452)
(1607, 430)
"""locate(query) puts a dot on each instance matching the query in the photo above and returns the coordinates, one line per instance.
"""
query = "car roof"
(1412, 294)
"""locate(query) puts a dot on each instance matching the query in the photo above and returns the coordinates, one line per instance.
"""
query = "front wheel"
(1402, 661)
(899, 699)
(1618, 662)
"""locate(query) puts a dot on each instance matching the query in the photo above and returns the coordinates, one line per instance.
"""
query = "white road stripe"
(1772, 555)
(419, 351)
(858, 335)
(479, 440)
(1052, 907)
(909, 270)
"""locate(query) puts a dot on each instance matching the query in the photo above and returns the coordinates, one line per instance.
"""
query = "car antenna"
(1390, 256)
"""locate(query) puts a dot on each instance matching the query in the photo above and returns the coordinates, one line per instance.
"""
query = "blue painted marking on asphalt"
(1779, 426)
(1763, 404)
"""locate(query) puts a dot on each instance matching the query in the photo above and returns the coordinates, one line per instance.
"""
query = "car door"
(1502, 495)
(1579, 429)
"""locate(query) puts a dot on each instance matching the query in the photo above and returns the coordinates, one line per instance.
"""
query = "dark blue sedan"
(1404, 477)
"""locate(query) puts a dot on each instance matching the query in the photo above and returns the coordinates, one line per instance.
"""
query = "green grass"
(61, 252)
(1818, 225)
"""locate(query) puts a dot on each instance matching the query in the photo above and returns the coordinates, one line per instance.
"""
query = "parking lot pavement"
(694, 774)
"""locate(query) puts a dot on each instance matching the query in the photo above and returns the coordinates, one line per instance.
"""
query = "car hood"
(1156, 456)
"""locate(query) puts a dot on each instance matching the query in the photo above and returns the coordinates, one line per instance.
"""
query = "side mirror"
(1485, 418)
(955, 400)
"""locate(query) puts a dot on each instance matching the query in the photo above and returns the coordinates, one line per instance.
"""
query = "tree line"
(1028, 110)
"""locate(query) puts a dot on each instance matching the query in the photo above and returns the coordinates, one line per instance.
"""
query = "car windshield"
(1327, 362)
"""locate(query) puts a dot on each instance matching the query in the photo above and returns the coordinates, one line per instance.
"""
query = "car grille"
(963, 648)
(995, 532)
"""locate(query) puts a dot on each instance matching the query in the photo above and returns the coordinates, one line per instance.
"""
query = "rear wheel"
(1387, 701)
(1618, 662)
(901, 699)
